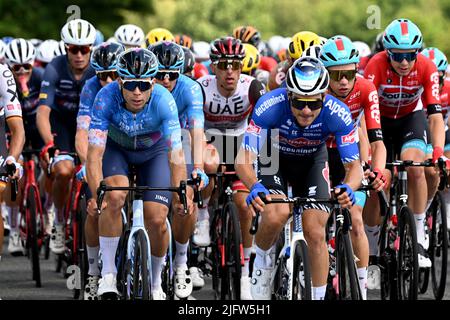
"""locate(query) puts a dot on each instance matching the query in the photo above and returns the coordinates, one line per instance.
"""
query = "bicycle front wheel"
(346, 268)
(301, 275)
(139, 271)
(32, 236)
(408, 264)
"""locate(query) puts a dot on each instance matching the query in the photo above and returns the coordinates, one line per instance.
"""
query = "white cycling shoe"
(373, 277)
(201, 235)
(91, 288)
(183, 282)
(57, 239)
(245, 288)
(197, 278)
(107, 286)
(260, 285)
(158, 294)
(15, 246)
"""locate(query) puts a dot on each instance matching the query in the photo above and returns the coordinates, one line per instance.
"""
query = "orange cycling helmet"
(183, 40)
(302, 41)
(247, 34)
(158, 34)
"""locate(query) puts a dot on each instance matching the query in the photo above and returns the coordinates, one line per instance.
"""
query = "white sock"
(92, 253)
(319, 292)
(181, 254)
(362, 278)
(108, 248)
(373, 233)
(245, 270)
(203, 213)
(157, 265)
(263, 259)
(420, 228)
(14, 218)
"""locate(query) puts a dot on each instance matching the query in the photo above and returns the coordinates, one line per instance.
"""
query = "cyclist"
(103, 60)
(304, 117)
(9, 109)
(99, 38)
(2, 50)
(188, 97)
(201, 53)
(130, 35)
(364, 55)
(183, 40)
(48, 50)
(135, 122)
(251, 63)
(189, 63)
(158, 34)
(63, 80)
(402, 76)
(229, 100)
(340, 56)
(20, 55)
(299, 43)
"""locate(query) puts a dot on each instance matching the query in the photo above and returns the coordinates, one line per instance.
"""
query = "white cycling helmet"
(36, 42)
(112, 40)
(130, 35)
(201, 50)
(307, 76)
(78, 32)
(322, 40)
(312, 51)
(50, 49)
(275, 43)
(363, 48)
(2, 48)
(285, 43)
(20, 51)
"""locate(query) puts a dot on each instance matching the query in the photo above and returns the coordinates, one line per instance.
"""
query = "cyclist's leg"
(431, 176)
(447, 191)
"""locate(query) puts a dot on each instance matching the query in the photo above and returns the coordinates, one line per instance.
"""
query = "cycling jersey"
(363, 100)
(278, 75)
(9, 101)
(87, 97)
(60, 91)
(230, 115)
(267, 63)
(273, 111)
(399, 96)
(134, 131)
(29, 100)
(200, 70)
(188, 97)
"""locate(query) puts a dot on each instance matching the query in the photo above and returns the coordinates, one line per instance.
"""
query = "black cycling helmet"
(170, 55)
(137, 63)
(378, 45)
(105, 56)
(189, 60)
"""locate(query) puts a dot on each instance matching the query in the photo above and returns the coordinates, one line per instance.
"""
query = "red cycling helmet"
(227, 48)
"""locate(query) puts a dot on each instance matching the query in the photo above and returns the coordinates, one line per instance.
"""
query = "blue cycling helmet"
(307, 76)
(105, 56)
(170, 55)
(99, 38)
(437, 56)
(402, 34)
(7, 39)
(137, 63)
(337, 51)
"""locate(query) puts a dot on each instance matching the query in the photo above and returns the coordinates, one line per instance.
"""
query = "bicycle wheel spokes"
(140, 281)
(301, 286)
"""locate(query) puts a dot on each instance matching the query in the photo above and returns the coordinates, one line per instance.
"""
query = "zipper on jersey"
(399, 98)
(135, 135)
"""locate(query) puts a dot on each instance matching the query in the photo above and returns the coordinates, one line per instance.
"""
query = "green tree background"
(208, 19)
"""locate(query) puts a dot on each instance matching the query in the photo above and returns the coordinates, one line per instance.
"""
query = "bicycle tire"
(438, 251)
(140, 289)
(33, 237)
(82, 258)
(122, 264)
(346, 268)
(280, 281)
(387, 261)
(301, 271)
(216, 254)
(408, 264)
(231, 272)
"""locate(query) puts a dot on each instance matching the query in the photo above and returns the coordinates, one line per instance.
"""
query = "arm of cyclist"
(15, 125)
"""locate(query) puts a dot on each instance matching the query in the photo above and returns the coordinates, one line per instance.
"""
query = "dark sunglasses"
(400, 56)
(337, 75)
(18, 67)
(131, 85)
(226, 64)
(312, 104)
(75, 49)
(172, 75)
(104, 75)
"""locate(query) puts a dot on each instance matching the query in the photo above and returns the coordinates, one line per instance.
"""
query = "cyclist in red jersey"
(402, 76)
(341, 58)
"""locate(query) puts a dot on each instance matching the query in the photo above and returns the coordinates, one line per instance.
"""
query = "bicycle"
(133, 257)
(437, 229)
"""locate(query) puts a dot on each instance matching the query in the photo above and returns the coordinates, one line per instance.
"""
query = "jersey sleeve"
(48, 87)
(195, 99)
(100, 118)
(430, 82)
(9, 101)
(170, 124)
(372, 112)
(372, 72)
(87, 97)
(255, 91)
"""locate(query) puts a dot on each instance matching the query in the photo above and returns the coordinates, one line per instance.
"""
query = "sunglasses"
(337, 75)
(17, 67)
(312, 104)
(75, 49)
(400, 56)
(171, 75)
(229, 64)
(104, 75)
(131, 85)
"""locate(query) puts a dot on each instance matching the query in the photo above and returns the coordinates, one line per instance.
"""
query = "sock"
(157, 265)
(362, 279)
(108, 248)
(245, 270)
(263, 259)
(420, 228)
(372, 235)
(203, 213)
(319, 292)
(14, 218)
(48, 201)
(181, 254)
(59, 217)
(92, 253)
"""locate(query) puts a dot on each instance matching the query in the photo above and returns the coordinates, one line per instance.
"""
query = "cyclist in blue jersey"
(188, 96)
(103, 60)
(63, 80)
(302, 117)
(20, 55)
(135, 121)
